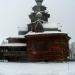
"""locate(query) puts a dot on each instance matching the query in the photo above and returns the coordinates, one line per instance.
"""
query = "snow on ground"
(65, 68)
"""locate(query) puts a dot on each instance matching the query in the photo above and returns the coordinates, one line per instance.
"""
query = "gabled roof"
(45, 32)
(50, 25)
(18, 36)
(13, 45)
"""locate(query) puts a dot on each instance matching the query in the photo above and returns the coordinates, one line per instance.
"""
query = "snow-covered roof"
(50, 25)
(14, 44)
(45, 32)
(17, 36)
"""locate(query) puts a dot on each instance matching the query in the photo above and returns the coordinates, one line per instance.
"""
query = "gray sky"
(14, 13)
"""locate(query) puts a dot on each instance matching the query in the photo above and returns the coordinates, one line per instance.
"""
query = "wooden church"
(41, 42)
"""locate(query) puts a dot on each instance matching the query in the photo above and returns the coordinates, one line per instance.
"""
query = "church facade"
(39, 42)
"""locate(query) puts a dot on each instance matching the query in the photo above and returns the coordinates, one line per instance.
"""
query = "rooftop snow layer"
(50, 25)
(14, 44)
(18, 36)
(45, 32)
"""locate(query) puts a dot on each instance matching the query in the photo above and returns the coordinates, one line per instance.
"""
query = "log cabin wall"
(16, 40)
(51, 47)
(17, 53)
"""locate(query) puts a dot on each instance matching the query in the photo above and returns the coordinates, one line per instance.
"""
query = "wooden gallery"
(42, 41)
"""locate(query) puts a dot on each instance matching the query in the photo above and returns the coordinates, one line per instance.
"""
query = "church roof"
(13, 45)
(17, 36)
(50, 25)
(45, 32)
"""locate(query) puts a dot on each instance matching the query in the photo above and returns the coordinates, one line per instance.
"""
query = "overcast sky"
(14, 13)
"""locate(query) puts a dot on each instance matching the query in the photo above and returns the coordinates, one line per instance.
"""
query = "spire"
(39, 2)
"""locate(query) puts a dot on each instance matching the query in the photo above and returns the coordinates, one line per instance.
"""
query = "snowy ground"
(66, 68)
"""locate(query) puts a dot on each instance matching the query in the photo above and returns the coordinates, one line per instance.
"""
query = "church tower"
(38, 17)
